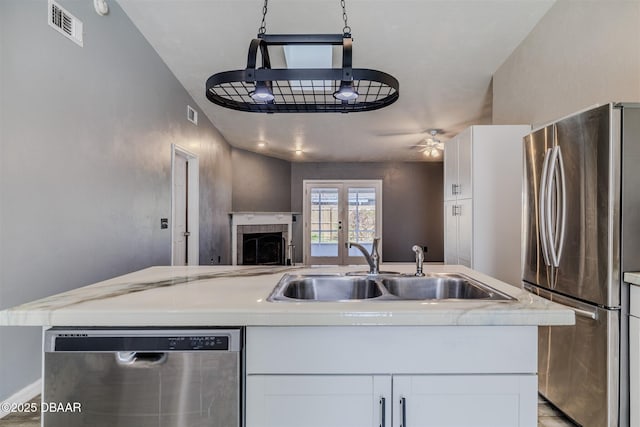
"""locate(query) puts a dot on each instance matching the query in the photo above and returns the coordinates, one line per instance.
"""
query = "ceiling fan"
(431, 146)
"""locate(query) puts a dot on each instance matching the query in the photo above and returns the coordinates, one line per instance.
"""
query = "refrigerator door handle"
(563, 210)
(556, 225)
(578, 308)
(549, 225)
(542, 201)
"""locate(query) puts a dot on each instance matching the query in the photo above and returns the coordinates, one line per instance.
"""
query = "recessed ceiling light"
(298, 152)
(262, 144)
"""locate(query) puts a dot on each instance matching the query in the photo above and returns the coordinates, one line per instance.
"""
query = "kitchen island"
(389, 363)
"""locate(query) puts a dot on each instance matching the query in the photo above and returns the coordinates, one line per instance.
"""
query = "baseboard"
(22, 396)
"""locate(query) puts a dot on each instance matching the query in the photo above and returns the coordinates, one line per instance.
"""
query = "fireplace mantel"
(257, 219)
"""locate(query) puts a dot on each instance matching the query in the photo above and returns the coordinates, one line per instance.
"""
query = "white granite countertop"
(237, 296)
(632, 277)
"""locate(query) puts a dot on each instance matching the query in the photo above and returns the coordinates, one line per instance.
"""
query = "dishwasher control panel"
(142, 340)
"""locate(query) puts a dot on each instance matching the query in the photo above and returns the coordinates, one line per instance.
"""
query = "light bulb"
(435, 153)
(262, 93)
(346, 92)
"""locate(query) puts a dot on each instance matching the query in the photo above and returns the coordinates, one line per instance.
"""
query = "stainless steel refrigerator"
(581, 231)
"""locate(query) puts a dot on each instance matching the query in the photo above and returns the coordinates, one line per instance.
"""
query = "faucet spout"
(373, 258)
(419, 259)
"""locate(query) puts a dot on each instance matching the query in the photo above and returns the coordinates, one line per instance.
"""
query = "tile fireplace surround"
(257, 222)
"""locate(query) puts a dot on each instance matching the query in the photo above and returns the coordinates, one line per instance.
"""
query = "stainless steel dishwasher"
(142, 377)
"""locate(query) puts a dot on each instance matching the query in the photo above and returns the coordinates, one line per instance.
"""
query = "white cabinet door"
(450, 169)
(465, 232)
(318, 401)
(450, 233)
(465, 165)
(634, 359)
(465, 400)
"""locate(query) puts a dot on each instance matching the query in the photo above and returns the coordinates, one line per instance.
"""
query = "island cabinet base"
(391, 376)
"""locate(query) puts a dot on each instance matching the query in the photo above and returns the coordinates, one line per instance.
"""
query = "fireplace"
(263, 249)
(260, 238)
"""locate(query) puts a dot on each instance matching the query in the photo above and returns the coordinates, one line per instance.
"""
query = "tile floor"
(548, 416)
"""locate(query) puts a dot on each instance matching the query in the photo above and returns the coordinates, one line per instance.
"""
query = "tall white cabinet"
(483, 200)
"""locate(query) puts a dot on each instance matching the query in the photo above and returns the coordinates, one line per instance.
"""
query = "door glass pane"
(362, 218)
(324, 222)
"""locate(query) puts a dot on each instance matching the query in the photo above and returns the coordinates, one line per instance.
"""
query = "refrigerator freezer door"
(586, 265)
(535, 265)
(578, 367)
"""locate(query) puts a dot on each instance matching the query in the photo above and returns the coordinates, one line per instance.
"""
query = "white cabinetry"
(483, 200)
(367, 400)
(462, 400)
(317, 400)
(634, 355)
(391, 376)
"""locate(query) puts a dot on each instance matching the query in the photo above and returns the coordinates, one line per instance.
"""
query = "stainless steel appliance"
(142, 377)
(581, 230)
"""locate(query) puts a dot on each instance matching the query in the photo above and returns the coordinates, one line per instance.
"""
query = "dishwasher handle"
(138, 359)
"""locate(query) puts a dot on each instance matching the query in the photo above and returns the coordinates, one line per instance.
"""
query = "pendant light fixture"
(262, 89)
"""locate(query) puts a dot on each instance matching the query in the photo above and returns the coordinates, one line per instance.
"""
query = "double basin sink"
(383, 287)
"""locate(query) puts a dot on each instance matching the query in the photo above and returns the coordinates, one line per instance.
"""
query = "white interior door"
(185, 207)
(180, 222)
(339, 212)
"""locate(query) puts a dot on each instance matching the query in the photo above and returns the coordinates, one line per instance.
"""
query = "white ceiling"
(442, 52)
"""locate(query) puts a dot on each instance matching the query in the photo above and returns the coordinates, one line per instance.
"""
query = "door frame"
(306, 210)
(193, 203)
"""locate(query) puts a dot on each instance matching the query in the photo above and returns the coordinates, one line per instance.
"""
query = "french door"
(336, 213)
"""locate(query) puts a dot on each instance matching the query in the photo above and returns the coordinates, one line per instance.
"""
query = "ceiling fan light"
(262, 93)
(435, 153)
(346, 92)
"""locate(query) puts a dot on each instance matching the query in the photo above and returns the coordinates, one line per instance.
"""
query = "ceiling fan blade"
(402, 133)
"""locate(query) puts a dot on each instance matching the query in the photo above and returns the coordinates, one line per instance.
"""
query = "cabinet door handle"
(403, 412)
(383, 408)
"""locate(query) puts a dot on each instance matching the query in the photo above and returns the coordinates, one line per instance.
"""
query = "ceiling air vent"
(192, 115)
(64, 22)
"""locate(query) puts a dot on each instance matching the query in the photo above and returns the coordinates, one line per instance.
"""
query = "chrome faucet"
(419, 259)
(373, 259)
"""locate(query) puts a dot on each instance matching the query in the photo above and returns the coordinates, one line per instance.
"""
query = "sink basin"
(383, 287)
(439, 287)
(329, 288)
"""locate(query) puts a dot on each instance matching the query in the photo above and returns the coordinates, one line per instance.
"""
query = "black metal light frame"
(231, 89)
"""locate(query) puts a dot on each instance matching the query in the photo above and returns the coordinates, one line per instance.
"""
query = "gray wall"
(260, 183)
(580, 53)
(412, 203)
(85, 143)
